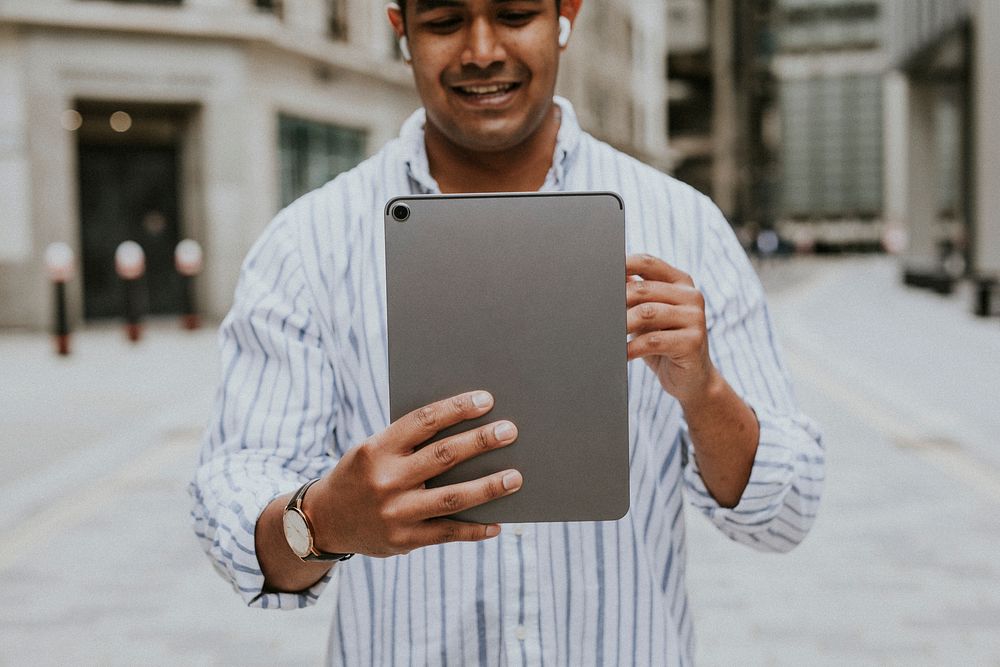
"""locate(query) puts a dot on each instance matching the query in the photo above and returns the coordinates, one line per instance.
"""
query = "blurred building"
(829, 63)
(615, 74)
(702, 127)
(775, 111)
(157, 120)
(722, 102)
(943, 135)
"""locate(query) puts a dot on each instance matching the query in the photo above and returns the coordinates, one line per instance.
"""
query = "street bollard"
(895, 239)
(59, 264)
(130, 264)
(767, 244)
(983, 300)
(188, 259)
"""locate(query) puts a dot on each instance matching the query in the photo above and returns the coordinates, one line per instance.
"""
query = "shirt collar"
(418, 168)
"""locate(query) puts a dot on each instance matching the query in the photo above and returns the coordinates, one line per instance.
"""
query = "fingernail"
(492, 531)
(512, 480)
(504, 431)
(481, 399)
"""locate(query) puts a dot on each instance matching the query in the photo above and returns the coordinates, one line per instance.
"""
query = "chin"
(490, 143)
(492, 138)
(488, 131)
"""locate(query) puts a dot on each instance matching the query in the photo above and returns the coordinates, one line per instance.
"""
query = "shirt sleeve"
(780, 502)
(273, 419)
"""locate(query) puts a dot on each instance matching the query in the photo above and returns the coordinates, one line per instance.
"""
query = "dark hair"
(402, 8)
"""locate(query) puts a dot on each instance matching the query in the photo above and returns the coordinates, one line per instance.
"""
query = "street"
(100, 566)
(900, 567)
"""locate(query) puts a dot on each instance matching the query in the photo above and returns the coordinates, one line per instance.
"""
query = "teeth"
(487, 90)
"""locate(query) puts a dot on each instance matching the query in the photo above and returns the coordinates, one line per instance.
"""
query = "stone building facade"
(943, 135)
(160, 120)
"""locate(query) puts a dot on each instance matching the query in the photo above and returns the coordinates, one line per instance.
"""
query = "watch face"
(296, 533)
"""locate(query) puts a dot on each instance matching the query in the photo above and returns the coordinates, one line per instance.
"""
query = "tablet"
(522, 295)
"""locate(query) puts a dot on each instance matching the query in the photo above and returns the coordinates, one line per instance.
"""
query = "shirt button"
(519, 530)
(520, 633)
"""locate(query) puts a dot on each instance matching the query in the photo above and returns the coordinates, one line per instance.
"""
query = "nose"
(484, 46)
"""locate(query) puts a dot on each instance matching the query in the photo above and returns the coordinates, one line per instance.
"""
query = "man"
(305, 384)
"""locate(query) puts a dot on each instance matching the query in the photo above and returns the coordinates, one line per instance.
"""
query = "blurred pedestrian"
(300, 468)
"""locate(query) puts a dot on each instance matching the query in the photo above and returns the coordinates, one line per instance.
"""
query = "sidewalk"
(67, 420)
(101, 566)
(900, 568)
(97, 553)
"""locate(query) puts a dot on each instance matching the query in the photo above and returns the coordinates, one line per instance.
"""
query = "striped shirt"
(305, 378)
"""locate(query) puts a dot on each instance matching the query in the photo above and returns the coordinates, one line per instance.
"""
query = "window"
(149, 2)
(312, 153)
(818, 25)
(271, 6)
(336, 11)
(832, 147)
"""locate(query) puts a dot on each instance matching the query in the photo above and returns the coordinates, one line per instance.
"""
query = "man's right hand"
(375, 501)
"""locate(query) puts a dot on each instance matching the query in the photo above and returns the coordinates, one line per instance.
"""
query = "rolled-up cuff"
(784, 487)
(229, 540)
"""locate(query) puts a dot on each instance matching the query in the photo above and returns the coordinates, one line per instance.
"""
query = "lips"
(486, 90)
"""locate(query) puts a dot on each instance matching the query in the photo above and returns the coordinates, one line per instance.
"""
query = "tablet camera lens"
(401, 212)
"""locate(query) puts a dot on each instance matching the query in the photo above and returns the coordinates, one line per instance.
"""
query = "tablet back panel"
(524, 296)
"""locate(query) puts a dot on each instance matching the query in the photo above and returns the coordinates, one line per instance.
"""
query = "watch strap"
(296, 499)
(300, 493)
(295, 504)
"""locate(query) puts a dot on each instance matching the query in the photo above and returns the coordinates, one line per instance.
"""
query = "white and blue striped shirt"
(305, 378)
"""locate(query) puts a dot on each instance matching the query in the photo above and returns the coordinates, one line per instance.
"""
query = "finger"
(654, 290)
(447, 500)
(664, 343)
(445, 454)
(651, 316)
(414, 428)
(441, 531)
(654, 268)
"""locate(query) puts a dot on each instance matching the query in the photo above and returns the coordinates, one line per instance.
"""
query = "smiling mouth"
(486, 91)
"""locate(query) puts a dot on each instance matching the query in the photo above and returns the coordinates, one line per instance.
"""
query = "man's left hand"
(666, 314)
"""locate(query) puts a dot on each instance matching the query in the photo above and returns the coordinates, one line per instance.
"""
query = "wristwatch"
(299, 532)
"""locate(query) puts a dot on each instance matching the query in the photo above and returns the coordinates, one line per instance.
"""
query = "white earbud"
(404, 44)
(565, 28)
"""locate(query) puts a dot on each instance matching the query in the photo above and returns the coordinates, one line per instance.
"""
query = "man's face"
(485, 69)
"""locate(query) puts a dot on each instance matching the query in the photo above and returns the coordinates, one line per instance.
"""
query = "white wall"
(15, 186)
(618, 85)
(986, 136)
(230, 180)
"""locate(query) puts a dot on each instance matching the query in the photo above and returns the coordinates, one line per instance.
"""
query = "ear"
(395, 14)
(568, 10)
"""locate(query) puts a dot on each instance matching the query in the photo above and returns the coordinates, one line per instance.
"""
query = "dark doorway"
(129, 191)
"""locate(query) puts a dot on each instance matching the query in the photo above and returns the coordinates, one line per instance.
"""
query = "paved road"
(100, 567)
(97, 557)
(901, 565)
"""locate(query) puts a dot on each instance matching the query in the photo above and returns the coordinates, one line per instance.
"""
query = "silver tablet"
(522, 295)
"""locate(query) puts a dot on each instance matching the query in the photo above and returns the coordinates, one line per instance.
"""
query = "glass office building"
(829, 69)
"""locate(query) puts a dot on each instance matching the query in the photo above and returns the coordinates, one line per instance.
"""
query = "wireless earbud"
(404, 44)
(565, 28)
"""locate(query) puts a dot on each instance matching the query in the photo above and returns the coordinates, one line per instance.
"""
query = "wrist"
(709, 393)
(314, 505)
(282, 569)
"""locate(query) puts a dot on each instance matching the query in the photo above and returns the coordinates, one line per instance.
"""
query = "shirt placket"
(521, 609)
